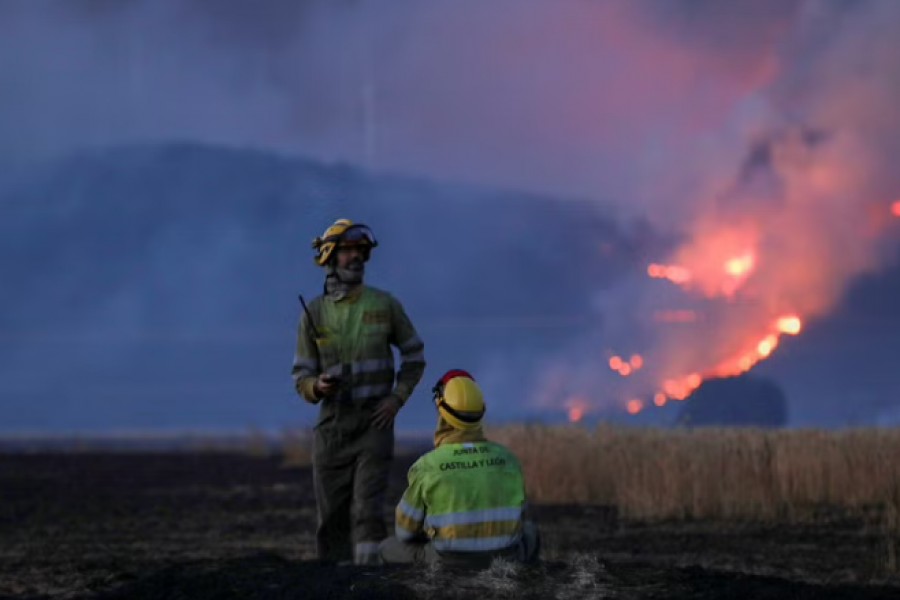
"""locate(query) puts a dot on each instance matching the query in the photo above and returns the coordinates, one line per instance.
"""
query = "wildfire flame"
(755, 269)
(714, 279)
(719, 263)
(680, 388)
(673, 273)
(766, 208)
(765, 347)
(790, 325)
(740, 266)
(577, 407)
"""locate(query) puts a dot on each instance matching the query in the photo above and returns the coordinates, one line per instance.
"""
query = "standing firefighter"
(344, 361)
(465, 503)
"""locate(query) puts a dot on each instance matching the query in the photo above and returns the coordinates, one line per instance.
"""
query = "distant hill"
(744, 401)
(156, 286)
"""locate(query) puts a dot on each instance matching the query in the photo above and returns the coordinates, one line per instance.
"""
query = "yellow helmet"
(343, 232)
(459, 399)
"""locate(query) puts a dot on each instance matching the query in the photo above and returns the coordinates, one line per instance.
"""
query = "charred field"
(235, 525)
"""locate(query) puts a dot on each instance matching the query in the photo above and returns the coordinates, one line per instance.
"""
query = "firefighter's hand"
(325, 385)
(385, 412)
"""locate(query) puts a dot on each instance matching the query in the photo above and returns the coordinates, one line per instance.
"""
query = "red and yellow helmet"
(459, 399)
(343, 232)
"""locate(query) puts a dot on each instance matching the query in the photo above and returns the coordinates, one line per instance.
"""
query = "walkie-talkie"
(328, 377)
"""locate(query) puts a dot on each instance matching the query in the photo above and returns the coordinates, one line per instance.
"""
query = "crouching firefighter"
(465, 501)
(345, 363)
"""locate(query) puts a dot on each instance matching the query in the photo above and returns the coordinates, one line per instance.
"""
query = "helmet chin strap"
(464, 417)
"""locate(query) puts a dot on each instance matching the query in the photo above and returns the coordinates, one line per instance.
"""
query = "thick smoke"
(792, 208)
(575, 98)
(765, 127)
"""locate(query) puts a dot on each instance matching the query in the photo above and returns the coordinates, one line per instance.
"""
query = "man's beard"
(340, 281)
(352, 273)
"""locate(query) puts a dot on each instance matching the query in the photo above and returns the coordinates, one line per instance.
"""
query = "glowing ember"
(625, 370)
(636, 362)
(615, 363)
(576, 413)
(790, 325)
(670, 387)
(577, 408)
(634, 406)
(660, 399)
(676, 390)
(677, 274)
(674, 273)
(694, 380)
(738, 267)
(895, 208)
(766, 346)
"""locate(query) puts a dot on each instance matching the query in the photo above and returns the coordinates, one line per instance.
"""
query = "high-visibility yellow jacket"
(465, 497)
(355, 335)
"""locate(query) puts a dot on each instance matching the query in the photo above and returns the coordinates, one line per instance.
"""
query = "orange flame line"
(681, 388)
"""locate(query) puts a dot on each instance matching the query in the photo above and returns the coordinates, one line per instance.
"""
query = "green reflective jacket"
(355, 335)
(465, 497)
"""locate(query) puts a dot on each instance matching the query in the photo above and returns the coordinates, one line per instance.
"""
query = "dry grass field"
(751, 475)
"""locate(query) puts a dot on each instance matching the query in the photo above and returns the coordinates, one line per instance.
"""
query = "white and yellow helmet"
(343, 232)
(459, 399)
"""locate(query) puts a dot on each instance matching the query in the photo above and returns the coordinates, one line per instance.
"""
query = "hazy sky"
(759, 131)
(572, 97)
(634, 101)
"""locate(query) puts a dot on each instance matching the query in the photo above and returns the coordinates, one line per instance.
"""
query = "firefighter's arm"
(306, 363)
(410, 514)
(412, 352)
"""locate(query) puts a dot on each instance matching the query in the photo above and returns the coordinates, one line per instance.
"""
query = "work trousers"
(393, 551)
(351, 472)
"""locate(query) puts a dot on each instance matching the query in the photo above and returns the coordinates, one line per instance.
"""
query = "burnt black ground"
(207, 525)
